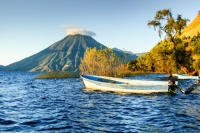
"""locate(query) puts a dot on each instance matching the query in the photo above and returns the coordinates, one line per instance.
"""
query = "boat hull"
(181, 76)
(120, 86)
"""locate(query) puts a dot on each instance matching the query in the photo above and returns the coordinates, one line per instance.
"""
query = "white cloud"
(72, 30)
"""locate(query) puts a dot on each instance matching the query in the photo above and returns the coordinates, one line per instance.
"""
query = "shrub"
(50, 75)
(101, 62)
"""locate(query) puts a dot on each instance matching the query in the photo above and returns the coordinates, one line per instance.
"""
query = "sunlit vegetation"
(101, 61)
(178, 52)
(162, 58)
(104, 62)
(175, 54)
(50, 75)
(193, 28)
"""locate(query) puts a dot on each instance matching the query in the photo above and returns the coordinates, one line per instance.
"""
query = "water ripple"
(6, 122)
(61, 105)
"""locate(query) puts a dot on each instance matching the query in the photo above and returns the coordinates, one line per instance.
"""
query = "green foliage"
(195, 43)
(174, 53)
(164, 21)
(162, 57)
(103, 62)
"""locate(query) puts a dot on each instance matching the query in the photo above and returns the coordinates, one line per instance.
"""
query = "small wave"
(62, 105)
(57, 128)
(31, 123)
(6, 122)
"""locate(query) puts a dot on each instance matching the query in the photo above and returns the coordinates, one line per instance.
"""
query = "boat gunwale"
(127, 81)
(183, 76)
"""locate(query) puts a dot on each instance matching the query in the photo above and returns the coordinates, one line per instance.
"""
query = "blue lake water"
(61, 105)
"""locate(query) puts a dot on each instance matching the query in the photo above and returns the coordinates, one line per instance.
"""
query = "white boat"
(183, 76)
(103, 83)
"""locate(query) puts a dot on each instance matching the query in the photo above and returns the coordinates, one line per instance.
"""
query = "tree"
(102, 62)
(195, 41)
(172, 28)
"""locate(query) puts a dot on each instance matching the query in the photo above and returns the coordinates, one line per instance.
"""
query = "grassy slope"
(193, 28)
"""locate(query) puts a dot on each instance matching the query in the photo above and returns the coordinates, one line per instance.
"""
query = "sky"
(29, 26)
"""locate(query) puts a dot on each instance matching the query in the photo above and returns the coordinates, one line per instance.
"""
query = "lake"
(28, 104)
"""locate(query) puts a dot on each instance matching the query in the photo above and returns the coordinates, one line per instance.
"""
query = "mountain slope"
(63, 55)
(193, 28)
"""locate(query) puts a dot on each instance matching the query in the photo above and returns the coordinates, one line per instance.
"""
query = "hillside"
(161, 58)
(63, 55)
(193, 28)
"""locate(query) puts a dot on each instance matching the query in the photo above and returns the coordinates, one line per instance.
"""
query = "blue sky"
(29, 26)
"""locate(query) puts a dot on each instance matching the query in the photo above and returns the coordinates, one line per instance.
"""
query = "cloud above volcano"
(73, 30)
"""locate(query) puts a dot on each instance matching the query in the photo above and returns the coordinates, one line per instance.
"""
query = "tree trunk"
(184, 69)
(195, 73)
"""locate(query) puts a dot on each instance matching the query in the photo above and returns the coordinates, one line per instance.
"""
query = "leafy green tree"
(165, 23)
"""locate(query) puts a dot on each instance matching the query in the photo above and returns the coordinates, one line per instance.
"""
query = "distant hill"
(63, 55)
(140, 54)
(129, 52)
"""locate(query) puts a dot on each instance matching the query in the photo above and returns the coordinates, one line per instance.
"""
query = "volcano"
(63, 55)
